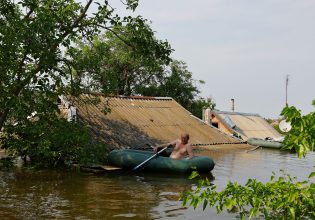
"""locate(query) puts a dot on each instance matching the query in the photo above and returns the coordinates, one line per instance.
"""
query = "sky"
(242, 49)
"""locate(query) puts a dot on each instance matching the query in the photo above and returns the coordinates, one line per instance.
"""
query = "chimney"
(207, 115)
(232, 107)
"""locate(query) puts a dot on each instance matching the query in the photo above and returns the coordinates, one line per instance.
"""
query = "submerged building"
(243, 125)
(138, 122)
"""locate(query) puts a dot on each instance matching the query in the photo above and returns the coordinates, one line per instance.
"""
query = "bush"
(282, 198)
(53, 142)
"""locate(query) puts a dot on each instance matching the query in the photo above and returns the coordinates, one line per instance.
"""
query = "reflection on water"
(259, 165)
(48, 194)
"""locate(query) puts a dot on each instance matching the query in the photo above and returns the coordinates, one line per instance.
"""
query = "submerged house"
(243, 125)
(138, 122)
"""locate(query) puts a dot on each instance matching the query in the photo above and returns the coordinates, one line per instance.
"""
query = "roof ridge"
(236, 113)
(127, 97)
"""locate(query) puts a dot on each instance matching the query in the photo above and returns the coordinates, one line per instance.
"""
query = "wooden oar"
(110, 168)
(147, 160)
(255, 148)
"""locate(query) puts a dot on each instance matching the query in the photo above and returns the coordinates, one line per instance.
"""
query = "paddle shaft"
(150, 158)
(255, 148)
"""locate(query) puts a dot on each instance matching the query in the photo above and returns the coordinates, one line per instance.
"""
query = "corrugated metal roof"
(139, 121)
(236, 113)
(250, 125)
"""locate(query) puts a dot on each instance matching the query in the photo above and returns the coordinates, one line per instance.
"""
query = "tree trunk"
(3, 117)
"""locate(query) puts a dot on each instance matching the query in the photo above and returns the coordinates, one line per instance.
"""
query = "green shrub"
(53, 142)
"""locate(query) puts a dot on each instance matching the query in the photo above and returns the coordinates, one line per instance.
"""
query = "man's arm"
(170, 144)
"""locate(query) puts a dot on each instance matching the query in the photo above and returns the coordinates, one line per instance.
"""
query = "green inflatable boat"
(265, 143)
(128, 159)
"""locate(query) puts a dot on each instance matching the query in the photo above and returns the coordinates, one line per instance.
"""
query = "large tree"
(200, 104)
(119, 62)
(34, 69)
(177, 81)
(34, 36)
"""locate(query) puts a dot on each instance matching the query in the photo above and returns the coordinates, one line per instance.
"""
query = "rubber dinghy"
(264, 143)
(128, 159)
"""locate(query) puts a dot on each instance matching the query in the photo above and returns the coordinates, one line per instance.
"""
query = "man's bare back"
(181, 148)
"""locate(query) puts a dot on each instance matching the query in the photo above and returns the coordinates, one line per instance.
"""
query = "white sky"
(243, 49)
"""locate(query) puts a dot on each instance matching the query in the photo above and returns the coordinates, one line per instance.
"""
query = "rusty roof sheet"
(141, 121)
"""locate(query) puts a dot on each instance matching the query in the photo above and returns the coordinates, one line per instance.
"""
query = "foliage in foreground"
(301, 137)
(284, 197)
(280, 198)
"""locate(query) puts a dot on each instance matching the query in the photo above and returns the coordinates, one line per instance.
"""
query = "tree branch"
(27, 16)
(116, 34)
(77, 20)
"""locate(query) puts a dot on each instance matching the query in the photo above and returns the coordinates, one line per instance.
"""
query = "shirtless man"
(181, 147)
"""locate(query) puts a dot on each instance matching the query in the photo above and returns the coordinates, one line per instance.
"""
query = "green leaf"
(205, 203)
(312, 174)
(230, 203)
(184, 199)
(272, 177)
(194, 175)
(292, 212)
(253, 212)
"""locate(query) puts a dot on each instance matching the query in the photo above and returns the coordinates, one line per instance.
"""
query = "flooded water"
(51, 194)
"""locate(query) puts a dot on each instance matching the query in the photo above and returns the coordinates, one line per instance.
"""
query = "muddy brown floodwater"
(55, 194)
